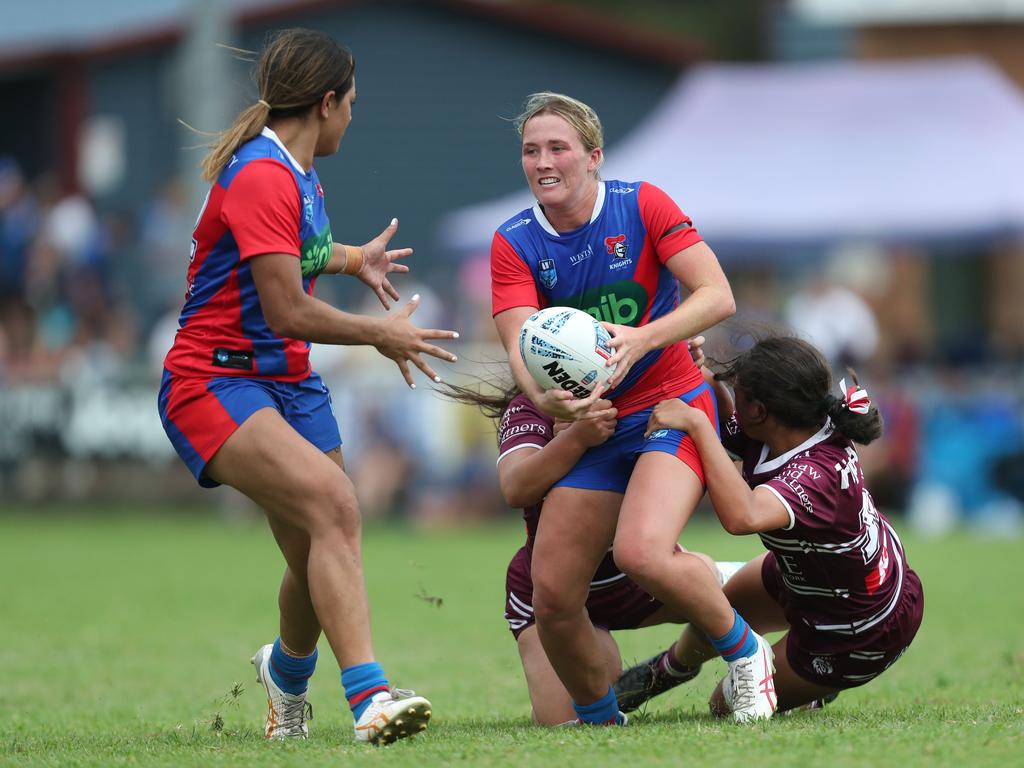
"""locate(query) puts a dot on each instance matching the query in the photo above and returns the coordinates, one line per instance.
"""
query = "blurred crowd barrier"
(89, 302)
(951, 455)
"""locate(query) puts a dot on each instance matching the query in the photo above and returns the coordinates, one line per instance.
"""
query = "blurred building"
(864, 154)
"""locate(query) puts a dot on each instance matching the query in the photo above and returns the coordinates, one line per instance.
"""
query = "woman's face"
(561, 173)
(339, 115)
(749, 413)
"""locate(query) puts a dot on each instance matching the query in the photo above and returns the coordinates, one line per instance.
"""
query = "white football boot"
(393, 715)
(286, 713)
(749, 688)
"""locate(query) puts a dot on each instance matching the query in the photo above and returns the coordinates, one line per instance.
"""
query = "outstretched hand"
(403, 342)
(378, 263)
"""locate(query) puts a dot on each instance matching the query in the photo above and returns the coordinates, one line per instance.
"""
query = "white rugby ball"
(567, 348)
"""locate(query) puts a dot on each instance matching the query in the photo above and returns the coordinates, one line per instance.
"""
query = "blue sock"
(290, 673)
(604, 711)
(361, 682)
(737, 642)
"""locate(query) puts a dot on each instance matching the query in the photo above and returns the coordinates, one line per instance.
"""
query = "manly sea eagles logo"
(822, 665)
(548, 276)
(617, 246)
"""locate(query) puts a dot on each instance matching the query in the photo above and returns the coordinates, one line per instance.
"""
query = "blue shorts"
(200, 414)
(607, 467)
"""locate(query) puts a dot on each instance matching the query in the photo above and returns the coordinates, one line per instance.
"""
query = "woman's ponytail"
(247, 125)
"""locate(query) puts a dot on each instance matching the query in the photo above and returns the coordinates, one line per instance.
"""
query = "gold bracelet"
(353, 260)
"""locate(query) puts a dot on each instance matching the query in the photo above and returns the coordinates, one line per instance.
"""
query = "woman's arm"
(710, 301)
(740, 509)
(556, 403)
(292, 313)
(371, 263)
(527, 474)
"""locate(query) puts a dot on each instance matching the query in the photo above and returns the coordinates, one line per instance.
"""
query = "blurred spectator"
(163, 249)
(837, 320)
(968, 429)
(19, 221)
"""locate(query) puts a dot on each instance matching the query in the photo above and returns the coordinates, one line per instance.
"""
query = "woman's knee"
(637, 558)
(326, 504)
(647, 563)
(554, 601)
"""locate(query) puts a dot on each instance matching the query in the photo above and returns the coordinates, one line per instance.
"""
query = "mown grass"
(126, 642)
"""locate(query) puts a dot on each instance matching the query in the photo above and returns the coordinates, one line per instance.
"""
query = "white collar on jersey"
(546, 225)
(274, 138)
(780, 461)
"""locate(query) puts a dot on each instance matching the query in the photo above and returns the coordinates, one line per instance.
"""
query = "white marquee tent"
(781, 154)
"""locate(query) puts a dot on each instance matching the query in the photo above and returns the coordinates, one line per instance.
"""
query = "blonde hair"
(580, 116)
(297, 67)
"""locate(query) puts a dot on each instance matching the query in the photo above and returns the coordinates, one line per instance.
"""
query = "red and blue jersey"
(262, 202)
(612, 267)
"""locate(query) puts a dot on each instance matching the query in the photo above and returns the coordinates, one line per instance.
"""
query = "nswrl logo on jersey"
(546, 273)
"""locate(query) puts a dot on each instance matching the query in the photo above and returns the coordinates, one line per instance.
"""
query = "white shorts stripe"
(522, 608)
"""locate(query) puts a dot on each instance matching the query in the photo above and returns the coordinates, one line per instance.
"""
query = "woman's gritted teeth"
(546, 181)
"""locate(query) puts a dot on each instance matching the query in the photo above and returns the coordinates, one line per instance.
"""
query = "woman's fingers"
(438, 352)
(403, 366)
(420, 363)
(398, 253)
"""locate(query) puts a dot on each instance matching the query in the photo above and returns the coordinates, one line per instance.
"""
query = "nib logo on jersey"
(623, 302)
(316, 252)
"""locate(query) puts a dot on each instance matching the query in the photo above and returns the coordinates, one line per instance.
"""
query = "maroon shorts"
(836, 661)
(620, 604)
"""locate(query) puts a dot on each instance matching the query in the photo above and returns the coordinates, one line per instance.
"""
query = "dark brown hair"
(493, 404)
(794, 382)
(296, 68)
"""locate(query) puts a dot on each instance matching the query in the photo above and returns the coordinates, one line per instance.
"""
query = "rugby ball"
(567, 348)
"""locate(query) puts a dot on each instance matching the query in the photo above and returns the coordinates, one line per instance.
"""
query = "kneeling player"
(835, 574)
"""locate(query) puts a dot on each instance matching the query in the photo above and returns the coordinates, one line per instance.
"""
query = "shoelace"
(294, 715)
(743, 683)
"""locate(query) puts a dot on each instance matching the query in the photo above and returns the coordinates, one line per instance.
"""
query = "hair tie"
(855, 398)
(265, 104)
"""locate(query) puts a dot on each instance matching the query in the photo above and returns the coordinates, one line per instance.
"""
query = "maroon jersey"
(841, 563)
(523, 425)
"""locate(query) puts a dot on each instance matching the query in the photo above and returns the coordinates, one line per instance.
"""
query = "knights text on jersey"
(262, 202)
(613, 267)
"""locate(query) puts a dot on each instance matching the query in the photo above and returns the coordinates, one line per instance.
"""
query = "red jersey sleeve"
(512, 283)
(261, 208)
(669, 228)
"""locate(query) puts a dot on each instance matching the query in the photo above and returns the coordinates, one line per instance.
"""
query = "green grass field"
(124, 637)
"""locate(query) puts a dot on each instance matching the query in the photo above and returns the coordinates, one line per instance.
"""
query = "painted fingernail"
(455, 335)
(415, 297)
(412, 386)
(393, 222)
(437, 379)
(455, 359)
